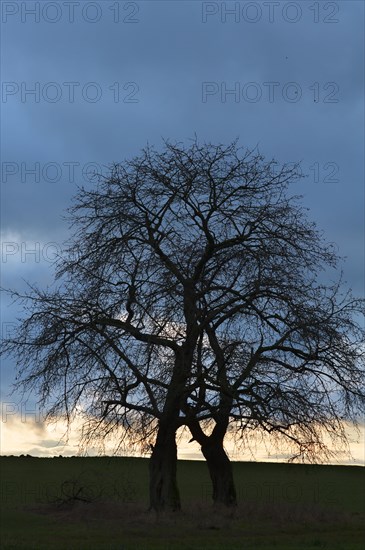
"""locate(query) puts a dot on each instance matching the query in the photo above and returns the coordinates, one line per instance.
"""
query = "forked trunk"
(164, 492)
(219, 465)
(220, 469)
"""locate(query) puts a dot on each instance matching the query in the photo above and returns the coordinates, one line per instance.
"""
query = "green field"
(281, 506)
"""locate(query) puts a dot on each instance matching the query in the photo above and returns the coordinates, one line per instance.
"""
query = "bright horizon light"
(26, 433)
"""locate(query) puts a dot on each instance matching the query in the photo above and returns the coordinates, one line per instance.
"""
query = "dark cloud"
(163, 61)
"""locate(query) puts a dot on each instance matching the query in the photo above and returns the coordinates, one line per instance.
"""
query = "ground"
(102, 503)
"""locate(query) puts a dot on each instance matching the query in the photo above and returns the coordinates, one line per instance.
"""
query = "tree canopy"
(195, 289)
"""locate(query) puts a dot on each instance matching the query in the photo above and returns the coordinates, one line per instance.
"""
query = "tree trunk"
(164, 492)
(220, 467)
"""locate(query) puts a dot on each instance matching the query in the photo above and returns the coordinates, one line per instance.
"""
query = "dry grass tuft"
(195, 516)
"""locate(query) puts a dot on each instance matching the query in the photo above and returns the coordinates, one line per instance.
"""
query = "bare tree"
(293, 367)
(189, 293)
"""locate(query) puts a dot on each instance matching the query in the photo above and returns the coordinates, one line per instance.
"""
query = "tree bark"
(219, 465)
(164, 492)
(220, 469)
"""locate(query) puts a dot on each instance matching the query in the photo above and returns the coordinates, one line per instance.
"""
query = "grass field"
(281, 506)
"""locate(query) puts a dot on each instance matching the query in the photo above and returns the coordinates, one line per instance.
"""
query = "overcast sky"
(85, 84)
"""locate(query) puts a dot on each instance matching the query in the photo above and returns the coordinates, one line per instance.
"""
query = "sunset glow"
(25, 433)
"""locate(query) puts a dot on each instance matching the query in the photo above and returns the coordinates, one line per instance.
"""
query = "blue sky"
(107, 77)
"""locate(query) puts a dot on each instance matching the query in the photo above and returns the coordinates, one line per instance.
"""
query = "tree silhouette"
(193, 292)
